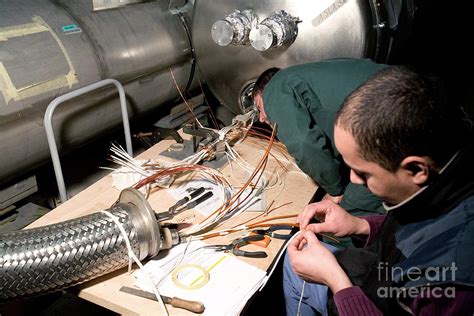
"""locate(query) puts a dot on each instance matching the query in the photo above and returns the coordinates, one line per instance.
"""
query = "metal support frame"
(48, 126)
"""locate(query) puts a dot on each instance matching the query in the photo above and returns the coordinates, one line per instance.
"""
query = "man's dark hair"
(262, 81)
(397, 113)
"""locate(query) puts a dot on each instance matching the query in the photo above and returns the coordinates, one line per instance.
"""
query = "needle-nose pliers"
(234, 247)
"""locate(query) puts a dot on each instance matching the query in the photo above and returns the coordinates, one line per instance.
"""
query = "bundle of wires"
(232, 206)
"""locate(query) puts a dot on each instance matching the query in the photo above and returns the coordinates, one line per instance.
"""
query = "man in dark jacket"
(303, 100)
(416, 153)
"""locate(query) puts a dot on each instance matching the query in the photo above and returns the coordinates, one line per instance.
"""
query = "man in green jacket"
(303, 100)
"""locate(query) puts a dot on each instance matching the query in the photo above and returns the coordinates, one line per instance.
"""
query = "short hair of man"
(398, 113)
(262, 81)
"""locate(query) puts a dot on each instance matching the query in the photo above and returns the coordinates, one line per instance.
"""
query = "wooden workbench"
(292, 187)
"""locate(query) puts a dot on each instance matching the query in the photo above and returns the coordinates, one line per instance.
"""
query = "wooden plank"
(292, 188)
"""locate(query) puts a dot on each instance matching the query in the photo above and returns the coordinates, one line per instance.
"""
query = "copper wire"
(227, 206)
(261, 214)
(184, 99)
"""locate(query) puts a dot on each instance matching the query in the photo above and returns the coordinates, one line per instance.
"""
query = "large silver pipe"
(48, 48)
(54, 257)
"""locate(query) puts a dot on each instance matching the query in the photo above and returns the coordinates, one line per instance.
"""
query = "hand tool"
(272, 231)
(178, 209)
(192, 306)
(191, 204)
(186, 199)
(235, 245)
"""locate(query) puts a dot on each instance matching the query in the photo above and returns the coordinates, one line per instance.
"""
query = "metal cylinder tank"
(285, 33)
(48, 48)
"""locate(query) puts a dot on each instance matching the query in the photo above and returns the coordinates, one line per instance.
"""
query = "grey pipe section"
(134, 44)
(58, 256)
(48, 125)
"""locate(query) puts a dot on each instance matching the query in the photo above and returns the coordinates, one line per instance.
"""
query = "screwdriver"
(192, 306)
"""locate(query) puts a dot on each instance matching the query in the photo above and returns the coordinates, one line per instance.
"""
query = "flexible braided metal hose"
(54, 257)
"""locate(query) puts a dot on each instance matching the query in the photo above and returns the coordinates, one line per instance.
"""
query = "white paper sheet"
(231, 281)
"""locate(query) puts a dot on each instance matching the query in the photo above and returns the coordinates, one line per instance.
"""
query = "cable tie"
(132, 256)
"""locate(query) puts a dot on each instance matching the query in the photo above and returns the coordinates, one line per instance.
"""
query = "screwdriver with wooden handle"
(192, 306)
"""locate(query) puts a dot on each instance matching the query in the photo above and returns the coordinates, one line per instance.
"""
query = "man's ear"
(259, 99)
(418, 168)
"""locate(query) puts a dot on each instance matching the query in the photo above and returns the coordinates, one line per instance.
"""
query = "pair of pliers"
(235, 245)
(272, 232)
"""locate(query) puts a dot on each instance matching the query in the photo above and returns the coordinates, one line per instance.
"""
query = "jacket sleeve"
(436, 303)
(353, 302)
(304, 139)
(375, 223)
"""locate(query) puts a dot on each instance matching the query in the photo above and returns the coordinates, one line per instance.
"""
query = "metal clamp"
(210, 137)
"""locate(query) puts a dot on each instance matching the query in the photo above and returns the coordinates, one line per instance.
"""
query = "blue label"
(71, 29)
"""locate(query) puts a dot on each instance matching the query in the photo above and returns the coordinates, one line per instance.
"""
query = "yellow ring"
(203, 279)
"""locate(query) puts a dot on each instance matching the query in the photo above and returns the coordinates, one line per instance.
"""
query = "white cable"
(244, 165)
(122, 158)
(265, 280)
(178, 262)
(298, 313)
(132, 256)
(275, 263)
(234, 155)
(238, 159)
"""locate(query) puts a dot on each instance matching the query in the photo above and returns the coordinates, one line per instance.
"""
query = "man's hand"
(336, 199)
(334, 220)
(314, 263)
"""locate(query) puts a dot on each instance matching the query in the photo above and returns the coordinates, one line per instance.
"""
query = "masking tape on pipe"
(21, 30)
(10, 92)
